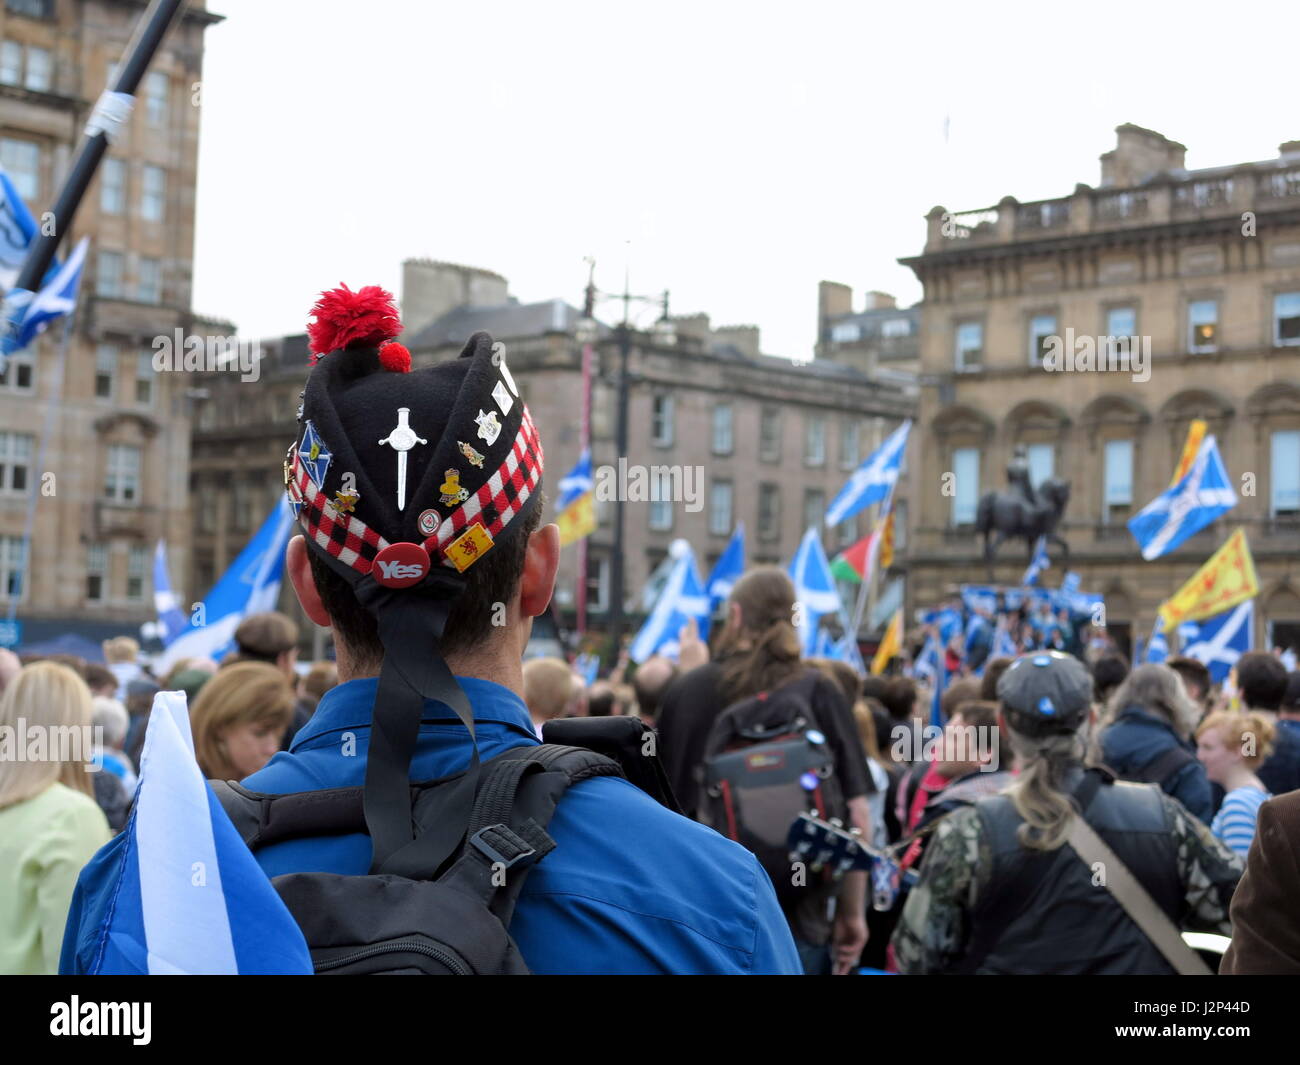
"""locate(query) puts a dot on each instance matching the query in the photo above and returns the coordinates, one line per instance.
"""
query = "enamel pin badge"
(401, 439)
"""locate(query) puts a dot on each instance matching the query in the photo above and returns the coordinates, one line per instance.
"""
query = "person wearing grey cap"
(1003, 888)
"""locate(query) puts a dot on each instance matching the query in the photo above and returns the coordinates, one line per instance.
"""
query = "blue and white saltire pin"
(177, 892)
(1037, 564)
(815, 592)
(729, 567)
(315, 456)
(1158, 646)
(1202, 495)
(682, 598)
(873, 481)
(170, 616)
(250, 586)
(1222, 639)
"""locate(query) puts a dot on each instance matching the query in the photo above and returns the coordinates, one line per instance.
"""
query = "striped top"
(1234, 824)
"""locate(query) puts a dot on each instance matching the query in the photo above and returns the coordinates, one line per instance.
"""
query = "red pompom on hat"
(394, 356)
(346, 319)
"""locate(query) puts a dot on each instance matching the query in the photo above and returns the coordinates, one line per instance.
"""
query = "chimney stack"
(1138, 155)
(430, 289)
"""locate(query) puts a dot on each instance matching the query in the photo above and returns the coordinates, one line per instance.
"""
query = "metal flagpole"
(584, 439)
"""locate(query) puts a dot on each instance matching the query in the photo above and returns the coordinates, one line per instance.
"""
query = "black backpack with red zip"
(765, 763)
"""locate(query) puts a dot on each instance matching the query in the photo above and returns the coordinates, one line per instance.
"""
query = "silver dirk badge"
(401, 439)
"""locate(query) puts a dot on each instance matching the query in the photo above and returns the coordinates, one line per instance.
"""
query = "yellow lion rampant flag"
(578, 519)
(1228, 578)
(890, 644)
(1195, 434)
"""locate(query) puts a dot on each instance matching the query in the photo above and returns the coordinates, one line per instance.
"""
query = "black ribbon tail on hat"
(411, 627)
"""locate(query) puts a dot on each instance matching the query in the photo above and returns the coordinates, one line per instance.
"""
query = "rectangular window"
(720, 508)
(122, 474)
(96, 571)
(40, 69)
(1284, 476)
(1041, 326)
(112, 187)
(144, 374)
(814, 452)
(15, 461)
(13, 563)
(105, 370)
(769, 435)
(1118, 485)
(722, 435)
(849, 436)
(1121, 322)
(155, 97)
(896, 327)
(11, 63)
(31, 8)
(966, 486)
(661, 515)
(153, 190)
(241, 505)
(814, 507)
(769, 511)
(149, 286)
(108, 275)
(22, 162)
(1203, 325)
(19, 372)
(661, 421)
(969, 353)
(597, 585)
(1286, 318)
(1042, 462)
(846, 333)
(137, 559)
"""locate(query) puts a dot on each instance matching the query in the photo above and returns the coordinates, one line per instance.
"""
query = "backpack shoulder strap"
(261, 818)
(629, 741)
(1164, 765)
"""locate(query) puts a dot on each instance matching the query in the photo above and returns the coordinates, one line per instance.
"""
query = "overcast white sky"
(734, 153)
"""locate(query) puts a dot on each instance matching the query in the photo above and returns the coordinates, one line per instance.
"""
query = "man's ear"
(541, 561)
(304, 585)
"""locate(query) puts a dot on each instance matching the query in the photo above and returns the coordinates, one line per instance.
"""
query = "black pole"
(149, 33)
(616, 562)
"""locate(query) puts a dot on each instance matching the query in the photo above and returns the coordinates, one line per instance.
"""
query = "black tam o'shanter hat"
(402, 480)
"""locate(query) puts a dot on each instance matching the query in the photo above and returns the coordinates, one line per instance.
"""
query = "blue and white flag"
(1158, 646)
(170, 617)
(814, 588)
(589, 666)
(1004, 645)
(27, 314)
(17, 230)
(977, 597)
(682, 598)
(1220, 640)
(250, 586)
(1070, 583)
(1037, 564)
(177, 892)
(873, 480)
(1202, 495)
(577, 482)
(929, 661)
(729, 568)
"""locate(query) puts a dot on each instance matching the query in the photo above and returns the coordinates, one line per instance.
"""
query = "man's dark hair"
(958, 693)
(1108, 673)
(97, 676)
(1261, 679)
(493, 579)
(899, 697)
(600, 701)
(989, 681)
(1192, 672)
(1291, 700)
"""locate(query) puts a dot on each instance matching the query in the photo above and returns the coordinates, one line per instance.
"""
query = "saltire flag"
(589, 666)
(1191, 447)
(1158, 645)
(825, 646)
(170, 617)
(17, 231)
(814, 588)
(682, 598)
(250, 586)
(847, 650)
(872, 481)
(1220, 640)
(728, 569)
(27, 313)
(853, 564)
(575, 510)
(1203, 494)
(1037, 564)
(890, 644)
(177, 892)
(1004, 646)
(973, 628)
(975, 597)
(926, 665)
(1070, 583)
(947, 621)
(1226, 579)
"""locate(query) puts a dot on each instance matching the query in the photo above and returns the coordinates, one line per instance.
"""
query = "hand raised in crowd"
(694, 652)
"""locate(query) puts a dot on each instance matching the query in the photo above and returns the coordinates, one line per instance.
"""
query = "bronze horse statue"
(1009, 516)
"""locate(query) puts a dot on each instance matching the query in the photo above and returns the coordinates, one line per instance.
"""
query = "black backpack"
(452, 920)
(765, 763)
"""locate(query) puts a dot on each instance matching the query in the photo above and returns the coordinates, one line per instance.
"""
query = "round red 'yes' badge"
(400, 565)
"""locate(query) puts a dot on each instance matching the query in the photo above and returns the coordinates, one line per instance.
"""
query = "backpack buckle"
(498, 843)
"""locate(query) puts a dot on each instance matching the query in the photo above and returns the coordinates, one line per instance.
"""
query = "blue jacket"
(1136, 738)
(630, 888)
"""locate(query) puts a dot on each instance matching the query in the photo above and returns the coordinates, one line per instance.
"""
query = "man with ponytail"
(1003, 888)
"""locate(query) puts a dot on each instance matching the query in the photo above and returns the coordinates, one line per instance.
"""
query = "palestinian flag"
(853, 564)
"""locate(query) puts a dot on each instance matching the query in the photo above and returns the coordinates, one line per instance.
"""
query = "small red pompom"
(348, 319)
(394, 356)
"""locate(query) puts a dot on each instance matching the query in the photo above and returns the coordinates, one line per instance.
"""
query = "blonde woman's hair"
(247, 693)
(1237, 728)
(1037, 792)
(1157, 687)
(51, 697)
(120, 649)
